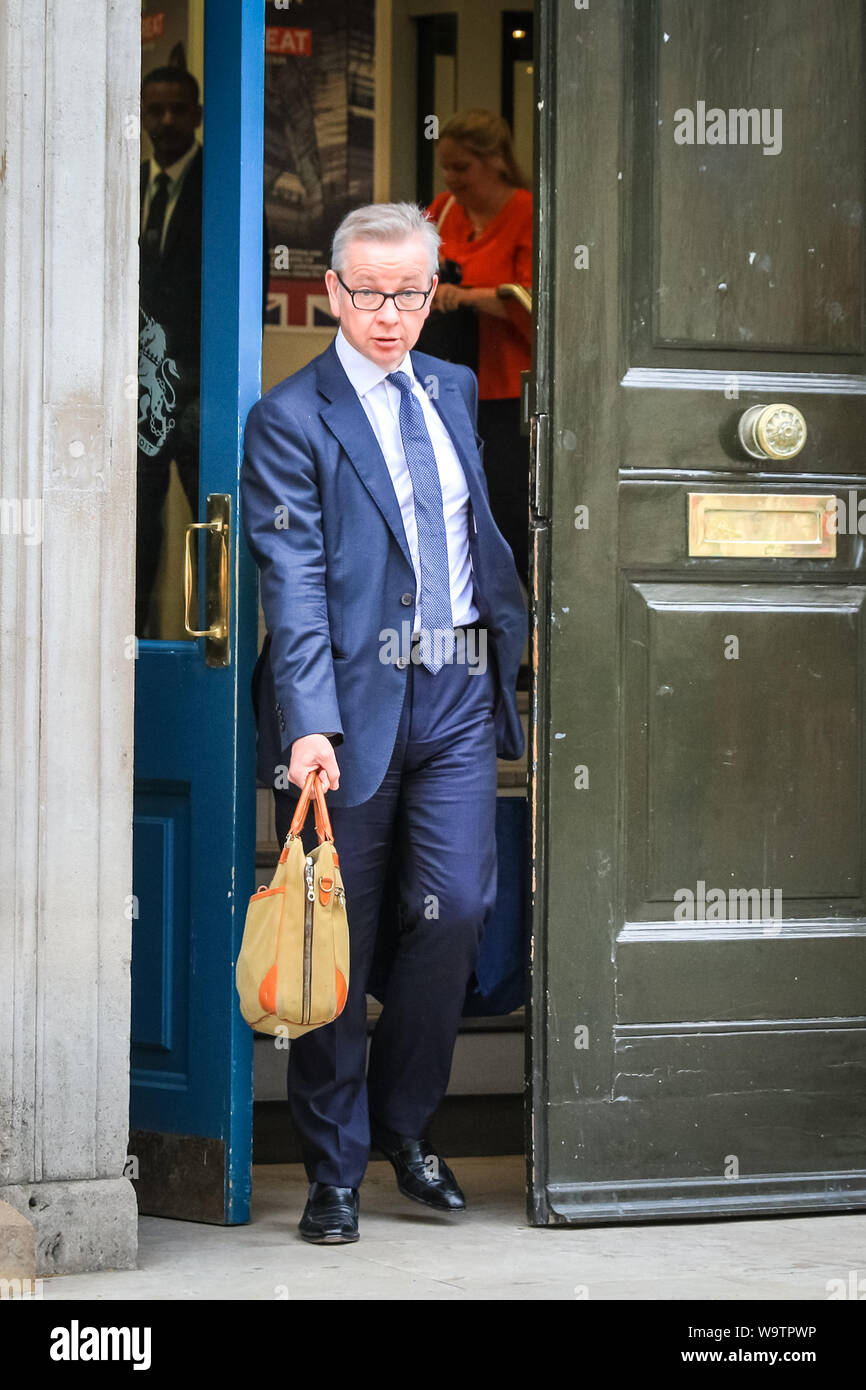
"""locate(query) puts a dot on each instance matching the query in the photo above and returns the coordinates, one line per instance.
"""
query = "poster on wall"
(319, 84)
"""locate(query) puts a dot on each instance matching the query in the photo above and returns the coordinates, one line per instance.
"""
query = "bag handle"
(312, 787)
(444, 213)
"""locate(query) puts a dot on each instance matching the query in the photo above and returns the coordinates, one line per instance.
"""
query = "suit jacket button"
(401, 662)
(407, 599)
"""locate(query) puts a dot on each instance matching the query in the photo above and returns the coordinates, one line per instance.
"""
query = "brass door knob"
(772, 431)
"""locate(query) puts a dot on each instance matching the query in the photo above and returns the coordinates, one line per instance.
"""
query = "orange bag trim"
(266, 892)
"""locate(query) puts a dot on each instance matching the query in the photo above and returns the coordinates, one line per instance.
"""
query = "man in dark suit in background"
(396, 624)
(169, 311)
(170, 265)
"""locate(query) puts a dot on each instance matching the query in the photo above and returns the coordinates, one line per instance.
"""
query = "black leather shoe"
(331, 1215)
(422, 1173)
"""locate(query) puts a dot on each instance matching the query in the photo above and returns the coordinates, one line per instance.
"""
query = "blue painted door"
(194, 829)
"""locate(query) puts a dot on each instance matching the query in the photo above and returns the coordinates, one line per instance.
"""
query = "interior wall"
(478, 69)
(479, 62)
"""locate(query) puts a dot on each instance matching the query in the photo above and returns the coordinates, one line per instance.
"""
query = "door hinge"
(539, 466)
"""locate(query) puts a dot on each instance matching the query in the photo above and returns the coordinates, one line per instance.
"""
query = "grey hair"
(385, 222)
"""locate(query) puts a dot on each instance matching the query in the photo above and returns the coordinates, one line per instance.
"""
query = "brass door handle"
(218, 527)
(772, 431)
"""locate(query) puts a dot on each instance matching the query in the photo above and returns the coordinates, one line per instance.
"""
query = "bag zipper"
(306, 1000)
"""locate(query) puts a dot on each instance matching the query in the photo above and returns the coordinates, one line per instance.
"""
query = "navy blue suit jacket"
(322, 520)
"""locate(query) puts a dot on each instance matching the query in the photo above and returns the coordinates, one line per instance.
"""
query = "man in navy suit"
(396, 624)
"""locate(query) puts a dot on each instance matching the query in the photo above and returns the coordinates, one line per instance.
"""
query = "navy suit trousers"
(427, 835)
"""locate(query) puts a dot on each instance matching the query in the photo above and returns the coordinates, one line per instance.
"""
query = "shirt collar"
(361, 371)
(177, 170)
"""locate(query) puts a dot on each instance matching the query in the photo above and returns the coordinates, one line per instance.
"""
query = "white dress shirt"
(176, 174)
(381, 402)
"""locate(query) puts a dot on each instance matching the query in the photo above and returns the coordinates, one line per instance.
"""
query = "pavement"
(489, 1252)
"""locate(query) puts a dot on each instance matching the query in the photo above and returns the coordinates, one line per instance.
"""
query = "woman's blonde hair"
(488, 137)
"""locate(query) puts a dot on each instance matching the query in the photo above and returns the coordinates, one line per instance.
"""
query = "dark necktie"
(151, 241)
(436, 617)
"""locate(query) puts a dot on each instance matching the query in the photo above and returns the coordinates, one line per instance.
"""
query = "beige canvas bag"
(293, 969)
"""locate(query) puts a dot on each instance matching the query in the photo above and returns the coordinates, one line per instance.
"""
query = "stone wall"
(69, 152)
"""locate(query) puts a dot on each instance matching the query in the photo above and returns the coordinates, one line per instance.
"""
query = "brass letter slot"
(761, 525)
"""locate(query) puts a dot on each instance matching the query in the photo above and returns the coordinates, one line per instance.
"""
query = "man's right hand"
(311, 751)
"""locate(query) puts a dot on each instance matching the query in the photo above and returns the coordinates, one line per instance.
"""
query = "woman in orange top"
(485, 223)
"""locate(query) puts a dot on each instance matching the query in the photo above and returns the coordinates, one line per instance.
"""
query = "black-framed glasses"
(405, 300)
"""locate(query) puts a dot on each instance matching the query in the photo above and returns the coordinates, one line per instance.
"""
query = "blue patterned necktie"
(436, 616)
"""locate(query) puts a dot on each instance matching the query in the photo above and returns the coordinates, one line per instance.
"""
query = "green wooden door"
(697, 753)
